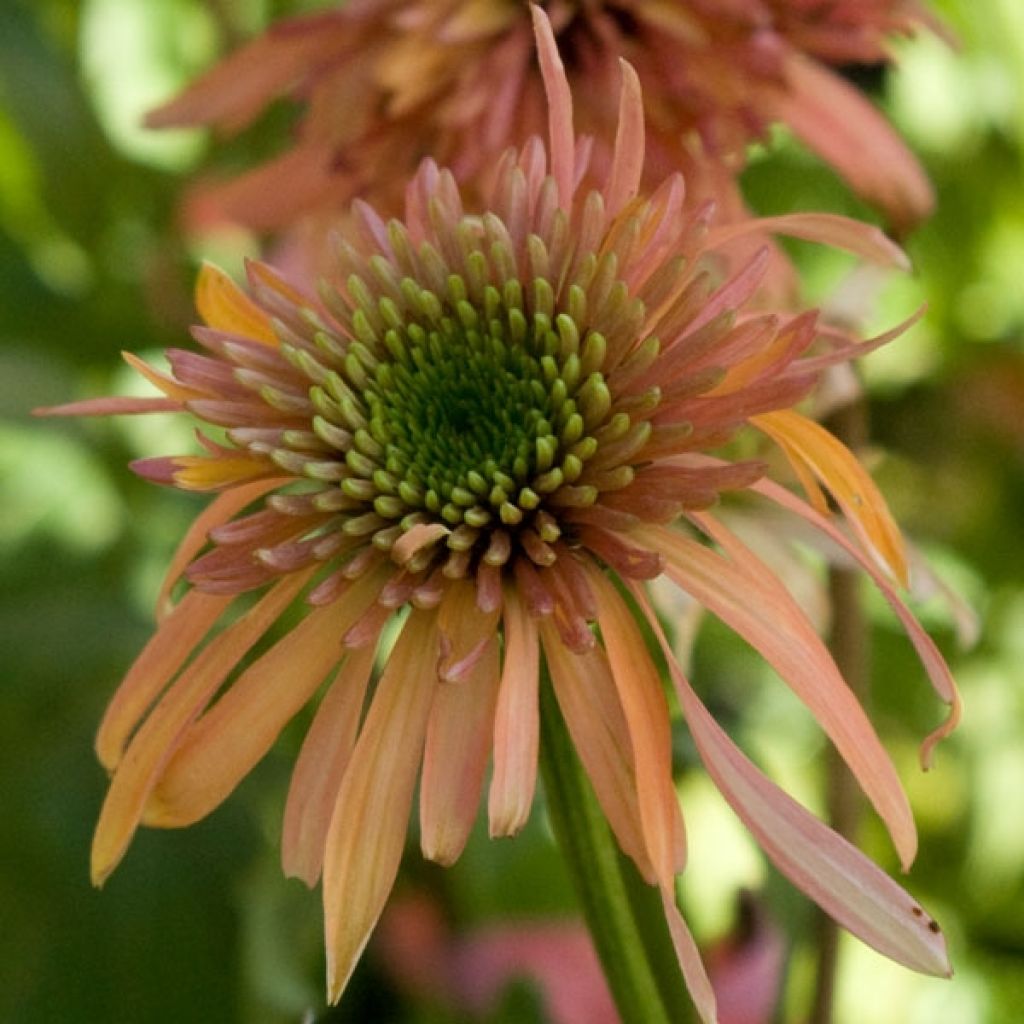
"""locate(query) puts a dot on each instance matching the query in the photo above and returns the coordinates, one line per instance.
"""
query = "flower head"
(482, 430)
(386, 83)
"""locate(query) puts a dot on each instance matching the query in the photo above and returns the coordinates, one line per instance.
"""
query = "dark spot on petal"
(917, 911)
(933, 926)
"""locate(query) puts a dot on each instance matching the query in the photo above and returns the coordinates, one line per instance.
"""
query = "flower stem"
(619, 907)
(849, 643)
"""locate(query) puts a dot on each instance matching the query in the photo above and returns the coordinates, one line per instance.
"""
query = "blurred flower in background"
(383, 84)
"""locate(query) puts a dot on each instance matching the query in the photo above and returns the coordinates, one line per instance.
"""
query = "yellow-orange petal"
(225, 307)
(516, 722)
(465, 630)
(221, 748)
(156, 739)
(646, 711)
(811, 446)
(321, 766)
(455, 757)
(167, 650)
(368, 826)
(162, 381)
(196, 473)
(590, 705)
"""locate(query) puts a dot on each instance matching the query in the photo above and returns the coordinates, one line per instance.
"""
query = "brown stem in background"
(849, 642)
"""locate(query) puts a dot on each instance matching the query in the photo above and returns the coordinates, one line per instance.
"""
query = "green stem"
(622, 929)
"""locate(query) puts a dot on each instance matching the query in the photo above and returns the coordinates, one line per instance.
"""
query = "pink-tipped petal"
(368, 826)
(168, 649)
(589, 703)
(321, 765)
(556, 88)
(643, 703)
(690, 963)
(455, 757)
(748, 597)
(218, 512)
(117, 406)
(159, 735)
(516, 723)
(222, 747)
(833, 872)
(628, 159)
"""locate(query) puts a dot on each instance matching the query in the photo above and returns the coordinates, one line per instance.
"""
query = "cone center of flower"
(472, 413)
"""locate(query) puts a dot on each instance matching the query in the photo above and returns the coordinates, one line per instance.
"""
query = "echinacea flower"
(489, 430)
(385, 83)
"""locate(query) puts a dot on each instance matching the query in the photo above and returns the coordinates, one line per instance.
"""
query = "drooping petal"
(695, 974)
(833, 872)
(934, 664)
(153, 744)
(747, 596)
(810, 444)
(222, 747)
(321, 766)
(841, 125)
(368, 825)
(646, 712)
(864, 240)
(167, 650)
(455, 757)
(516, 722)
(589, 703)
(225, 307)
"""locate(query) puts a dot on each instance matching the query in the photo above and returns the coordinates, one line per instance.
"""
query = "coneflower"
(385, 83)
(491, 429)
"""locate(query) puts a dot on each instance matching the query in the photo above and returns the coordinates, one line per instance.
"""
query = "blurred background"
(200, 925)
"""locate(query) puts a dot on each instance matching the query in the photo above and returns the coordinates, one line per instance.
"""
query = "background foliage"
(199, 925)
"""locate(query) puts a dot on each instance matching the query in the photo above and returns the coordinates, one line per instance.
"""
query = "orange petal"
(516, 723)
(747, 596)
(368, 826)
(165, 653)
(162, 381)
(834, 873)
(321, 766)
(640, 693)
(222, 747)
(455, 757)
(415, 539)
(811, 446)
(218, 512)
(589, 704)
(225, 307)
(155, 741)
(935, 665)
